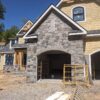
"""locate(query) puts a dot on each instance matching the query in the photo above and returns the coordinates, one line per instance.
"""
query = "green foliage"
(1, 27)
(2, 11)
(1, 31)
(1, 36)
(10, 33)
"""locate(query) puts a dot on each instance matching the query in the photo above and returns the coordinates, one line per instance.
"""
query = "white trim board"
(93, 35)
(60, 2)
(61, 13)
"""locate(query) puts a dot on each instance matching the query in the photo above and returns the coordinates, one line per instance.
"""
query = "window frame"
(84, 13)
(15, 40)
(9, 56)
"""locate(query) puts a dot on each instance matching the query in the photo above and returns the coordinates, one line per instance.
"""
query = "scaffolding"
(40, 71)
(75, 74)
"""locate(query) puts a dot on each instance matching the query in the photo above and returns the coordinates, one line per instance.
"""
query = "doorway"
(21, 58)
(95, 64)
(51, 63)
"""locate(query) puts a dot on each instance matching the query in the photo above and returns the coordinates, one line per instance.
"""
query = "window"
(13, 42)
(9, 59)
(78, 14)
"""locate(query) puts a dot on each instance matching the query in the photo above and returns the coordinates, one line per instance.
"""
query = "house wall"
(2, 61)
(18, 58)
(53, 35)
(92, 44)
(92, 10)
(21, 40)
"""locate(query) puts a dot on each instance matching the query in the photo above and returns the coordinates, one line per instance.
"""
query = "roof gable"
(71, 2)
(83, 31)
(25, 28)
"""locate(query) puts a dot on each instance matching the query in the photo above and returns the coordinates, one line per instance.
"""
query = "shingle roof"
(6, 49)
(94, 32)
(20, 46)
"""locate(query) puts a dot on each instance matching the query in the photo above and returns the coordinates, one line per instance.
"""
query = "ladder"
(78, 74)
(40, 71)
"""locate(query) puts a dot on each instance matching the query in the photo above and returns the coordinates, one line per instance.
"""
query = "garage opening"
(95, 64)
(51, 63)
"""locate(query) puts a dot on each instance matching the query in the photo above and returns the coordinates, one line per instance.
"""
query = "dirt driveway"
(14, 87)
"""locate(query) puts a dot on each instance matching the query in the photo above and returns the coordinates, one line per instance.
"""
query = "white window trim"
(84, 12)
(11, 43)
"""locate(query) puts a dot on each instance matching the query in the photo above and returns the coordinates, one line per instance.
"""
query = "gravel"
(14, 87)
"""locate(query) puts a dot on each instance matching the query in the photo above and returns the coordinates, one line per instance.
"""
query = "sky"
(18, 10)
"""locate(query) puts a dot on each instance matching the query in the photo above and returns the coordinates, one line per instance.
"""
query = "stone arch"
(52, 49)
(52, 62)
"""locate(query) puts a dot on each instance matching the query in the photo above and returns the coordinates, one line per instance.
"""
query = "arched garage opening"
(95, 65)
(51, 63)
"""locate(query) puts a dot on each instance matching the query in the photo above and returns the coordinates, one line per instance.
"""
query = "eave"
(83, 31)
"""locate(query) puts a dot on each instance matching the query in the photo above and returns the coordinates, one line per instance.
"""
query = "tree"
(2, 10)
(10, 33)
(1, 31)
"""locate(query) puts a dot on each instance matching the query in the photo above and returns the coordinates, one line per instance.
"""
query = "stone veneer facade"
(53, 35)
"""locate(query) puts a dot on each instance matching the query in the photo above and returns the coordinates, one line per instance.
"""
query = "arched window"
(78, 14)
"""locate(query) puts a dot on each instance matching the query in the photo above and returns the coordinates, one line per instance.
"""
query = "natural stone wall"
(31, 63)
(53, 35)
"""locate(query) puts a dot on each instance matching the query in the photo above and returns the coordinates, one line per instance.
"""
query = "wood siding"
(92, 10)
(92, 44)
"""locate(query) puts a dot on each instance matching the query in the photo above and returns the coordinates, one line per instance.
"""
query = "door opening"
(95, 64)
(51, 64)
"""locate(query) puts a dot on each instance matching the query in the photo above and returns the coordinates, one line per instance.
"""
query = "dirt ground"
(14, 87)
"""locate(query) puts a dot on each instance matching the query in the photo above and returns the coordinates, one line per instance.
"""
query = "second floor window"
(13, 42)
(78, 14)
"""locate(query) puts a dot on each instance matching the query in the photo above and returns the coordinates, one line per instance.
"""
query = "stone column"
(78, 71)
(31, 65)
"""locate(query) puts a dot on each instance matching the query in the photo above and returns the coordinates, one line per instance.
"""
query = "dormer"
(23, 31)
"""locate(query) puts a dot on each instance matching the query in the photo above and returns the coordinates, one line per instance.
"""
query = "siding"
(92, 44)
(92, 14)
(21, 40)
(2, 61)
